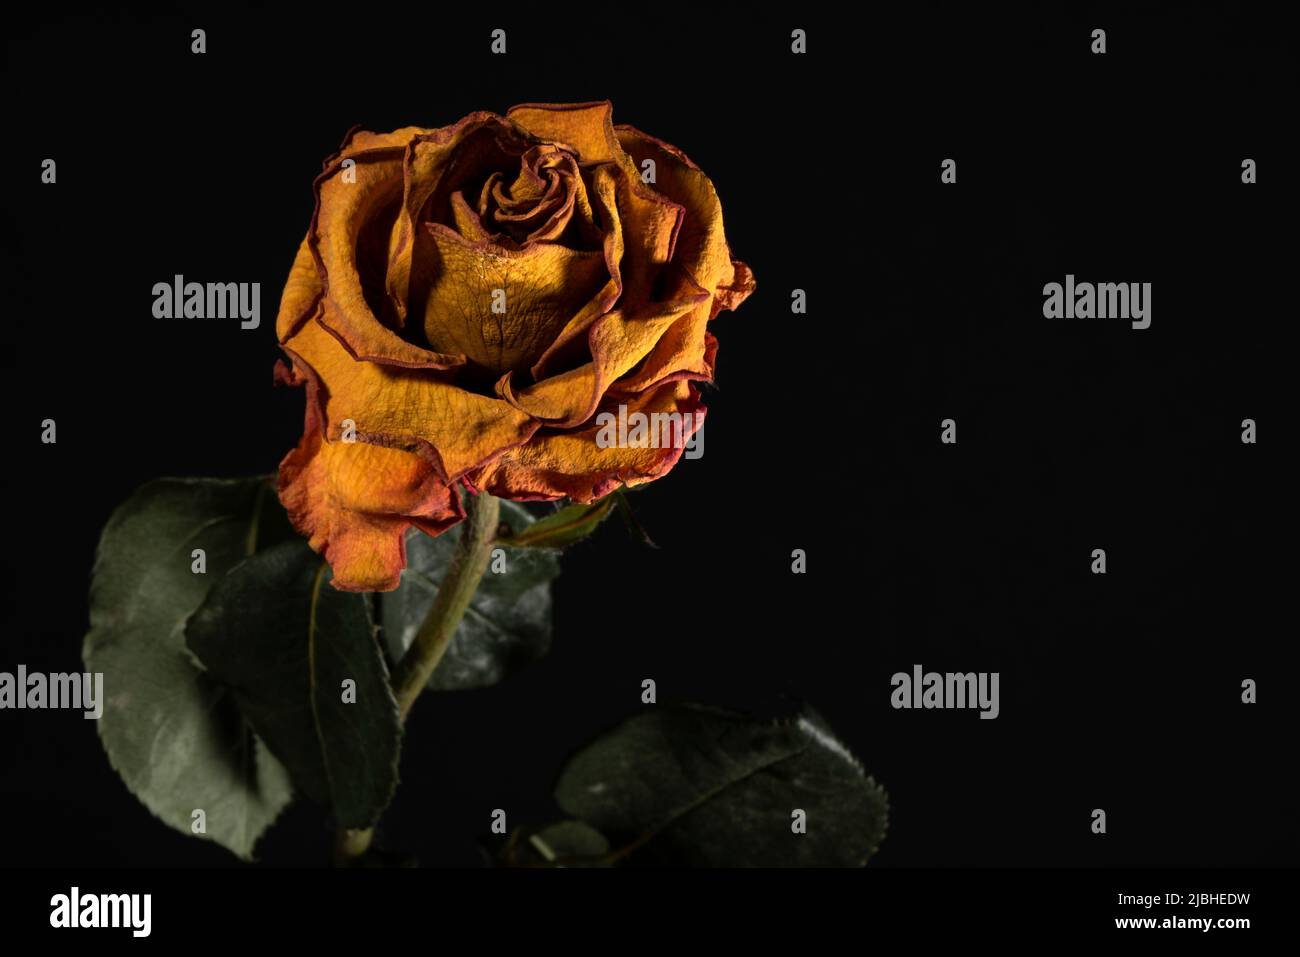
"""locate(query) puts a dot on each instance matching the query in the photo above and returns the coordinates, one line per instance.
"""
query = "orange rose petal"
(650, 225)
(338, 239)
(584, 218)
(485, 194)
(586, 127)
(579, 327)
(552, 226)
(698, 371)
(372, 478)
(529, 218)
(678, 353)
(528, 183)
(429, 177)
(360, 140)
(735, 289)
(300, 300)
(701, 245)
(539, 283)
(686, 351)
(618, 340)
(548, 207)
(354, 502)
(417, 410)
(468, 222)
(558, 464)
(650, 220)
(701, 249)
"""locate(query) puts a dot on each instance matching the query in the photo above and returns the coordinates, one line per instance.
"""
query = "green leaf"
(687, 785)
(175, 736)
(570, 524)
(286, 641)
(508, 624)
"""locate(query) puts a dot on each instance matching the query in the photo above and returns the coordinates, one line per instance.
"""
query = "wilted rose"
(465, 303)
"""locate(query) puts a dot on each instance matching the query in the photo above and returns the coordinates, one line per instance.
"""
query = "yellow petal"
(359, 140)
(556, 464)
(300, 300)
(640, 235)
(575, 332)
(500, 307)
(587, 128)
(354, 502)
(687, 349)
(350, 234)
(734, 288)
(414, 409)
(701, 243)
(438, 164)
(684, 350)
(467, 220)
(618, 341)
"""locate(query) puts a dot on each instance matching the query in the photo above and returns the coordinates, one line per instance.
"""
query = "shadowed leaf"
(174, 735)
(508, 624)
(302, 660)
(687, 785)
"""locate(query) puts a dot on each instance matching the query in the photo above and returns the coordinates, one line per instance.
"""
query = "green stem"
(470, 561)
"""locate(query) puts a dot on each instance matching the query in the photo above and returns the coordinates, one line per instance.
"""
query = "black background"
(1119, 691)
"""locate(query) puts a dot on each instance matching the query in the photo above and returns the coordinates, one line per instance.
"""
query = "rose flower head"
(469, 299)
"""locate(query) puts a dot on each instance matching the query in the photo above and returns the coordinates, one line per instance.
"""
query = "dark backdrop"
(1120, 692)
